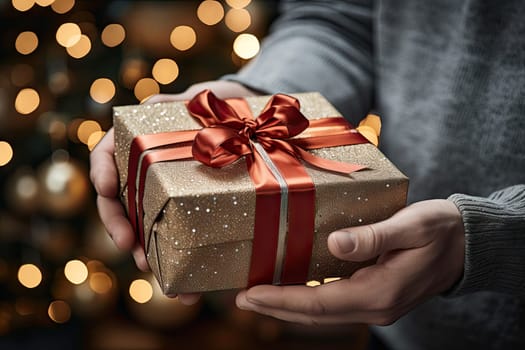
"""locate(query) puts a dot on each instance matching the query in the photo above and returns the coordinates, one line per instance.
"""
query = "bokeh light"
(6, 153)
(165, 71)
(100, 282)
(62, 6)
(76, 271)
(246, 46)
(238, 4)
(23, 5)
(145, 88)
(313, 283)
(210, 12)
(59, 311)
(81, 48)
(238, 20)
(68, 34)
(183, 38)
(29, 275)
(102, 90)
(86, 129)
(44, 3)
(94, 139)
(26, 42)
(141, 291)
(27, 101)
(113, 35)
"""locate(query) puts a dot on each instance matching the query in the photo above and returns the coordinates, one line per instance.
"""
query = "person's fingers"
(103, 172)
(140, 258)
(114, 219)
(344, 301)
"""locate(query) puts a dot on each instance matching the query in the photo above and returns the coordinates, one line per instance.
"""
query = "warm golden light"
(68, 34)
(210, 12)
(313, 283)
(141, 291)
(29, 275)
(62, 6)
(26, 42)
(44, 3)
(331, 279)
(6, 153)
(183, 38)
(113, 35)
(94, 139)
(81, 48)
(23, 5)
(86, 129)
(238, 20)
(102, 90)
(76, 271)
(27, 101)
(238, 4)
(100, 282)
(246, 46)
(145, 88)
(165, 71)
(59, 311)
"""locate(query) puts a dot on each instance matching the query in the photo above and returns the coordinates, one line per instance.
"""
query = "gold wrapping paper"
(199, 220)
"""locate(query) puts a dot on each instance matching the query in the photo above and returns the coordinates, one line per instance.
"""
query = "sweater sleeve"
(494, 240)
(323, 46)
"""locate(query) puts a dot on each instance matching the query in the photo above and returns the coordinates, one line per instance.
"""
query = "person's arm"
(495, 242)
(323, 46)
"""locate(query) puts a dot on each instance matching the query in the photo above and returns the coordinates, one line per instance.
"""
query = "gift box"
(221, 200)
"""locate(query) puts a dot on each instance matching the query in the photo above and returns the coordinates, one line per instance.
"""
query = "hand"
(105, 178)
(420, 254)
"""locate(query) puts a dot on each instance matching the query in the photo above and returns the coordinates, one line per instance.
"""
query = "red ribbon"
(228, 133)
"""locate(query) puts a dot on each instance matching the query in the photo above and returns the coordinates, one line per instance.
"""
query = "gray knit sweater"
(448, 78)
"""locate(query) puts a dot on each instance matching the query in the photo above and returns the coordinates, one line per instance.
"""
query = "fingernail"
(345, 241)
(243, 304)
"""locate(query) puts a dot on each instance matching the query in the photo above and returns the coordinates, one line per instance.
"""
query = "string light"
(183, 38)
(23, 5)
(68, 34)
(210, 12)
(59, 311)
(62, 6)
(165, 71)
(27, 101)
(246, 46)
(76, 271)
(141, 291)
(29, 275)
(113, 35)
(238, 20)
(146, 87)
(102, 90)
(81, 48)
(6, 153)
(26, 42)
(238, 4)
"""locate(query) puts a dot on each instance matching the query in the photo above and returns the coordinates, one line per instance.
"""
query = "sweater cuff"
(494, 243)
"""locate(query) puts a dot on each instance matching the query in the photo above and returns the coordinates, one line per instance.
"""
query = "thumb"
(362, 243)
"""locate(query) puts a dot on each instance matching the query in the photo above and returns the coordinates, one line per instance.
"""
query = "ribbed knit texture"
(448, 78)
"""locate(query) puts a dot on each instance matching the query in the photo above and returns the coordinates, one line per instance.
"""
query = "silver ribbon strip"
(283, 212)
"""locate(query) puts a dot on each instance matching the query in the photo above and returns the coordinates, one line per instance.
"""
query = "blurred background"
(63, 65)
